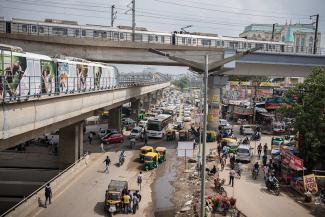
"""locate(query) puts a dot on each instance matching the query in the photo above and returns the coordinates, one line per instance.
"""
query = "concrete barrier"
(36, 200)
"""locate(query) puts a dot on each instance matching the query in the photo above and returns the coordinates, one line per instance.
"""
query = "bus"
(156, 126)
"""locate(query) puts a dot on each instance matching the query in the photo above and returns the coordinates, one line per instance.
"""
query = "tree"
(182, 83)
(308, 108)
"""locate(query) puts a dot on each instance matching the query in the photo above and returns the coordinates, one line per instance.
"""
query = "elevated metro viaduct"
(22, 121)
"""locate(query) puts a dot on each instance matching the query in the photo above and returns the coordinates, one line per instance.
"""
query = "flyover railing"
(19, 87)
(34, 199)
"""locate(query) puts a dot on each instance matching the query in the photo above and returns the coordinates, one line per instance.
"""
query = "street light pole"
(205, 84)
(133, 20)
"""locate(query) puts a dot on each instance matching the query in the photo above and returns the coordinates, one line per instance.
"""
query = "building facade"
(298, 37)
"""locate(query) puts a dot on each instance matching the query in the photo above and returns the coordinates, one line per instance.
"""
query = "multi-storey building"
(299, 37)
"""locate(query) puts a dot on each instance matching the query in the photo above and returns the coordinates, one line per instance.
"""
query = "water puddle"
(163, 189)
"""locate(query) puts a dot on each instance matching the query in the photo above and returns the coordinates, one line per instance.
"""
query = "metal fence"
(23, 88)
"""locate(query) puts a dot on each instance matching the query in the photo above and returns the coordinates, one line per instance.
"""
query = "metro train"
(24, 75)
(72, 29)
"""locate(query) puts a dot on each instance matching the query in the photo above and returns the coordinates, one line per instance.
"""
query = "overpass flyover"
(25, 120)
(125, 52)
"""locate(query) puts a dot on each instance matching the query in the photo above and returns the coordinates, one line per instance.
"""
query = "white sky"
(224, 17)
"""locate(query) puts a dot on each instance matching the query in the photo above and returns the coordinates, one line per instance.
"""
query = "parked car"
(113, 138)
(104, 132)
(137, 133)
(244, 153)
(276, 142)
(246, 130)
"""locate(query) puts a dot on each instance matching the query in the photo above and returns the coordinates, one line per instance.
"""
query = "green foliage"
(248, 78)
(182, 83)
(309, 111)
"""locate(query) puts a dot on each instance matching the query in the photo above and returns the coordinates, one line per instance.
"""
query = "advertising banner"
(63, 73)
(12, 69)
(97, 75)
(48, 76)
(82, 73)
(310, 183)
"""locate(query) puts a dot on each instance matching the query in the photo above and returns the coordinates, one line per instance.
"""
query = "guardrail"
(32, 201)
(23, 88)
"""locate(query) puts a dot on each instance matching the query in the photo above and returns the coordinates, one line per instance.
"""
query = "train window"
(138, 37)
(194, 40)
(83, 32)
(96, 33)
(24, 28)
(233, 44)
(189, 41)
(162, 39)
(59, 31)
(183, 40)
(104, 34)
(121, 35)
(150, 37)
(156, 38)
(222, 43)
(244, 45)
(41, 29)
(116, 35)
(217, 43)
(34, 29)
(249, 45)
(206, 42)
(76, 32)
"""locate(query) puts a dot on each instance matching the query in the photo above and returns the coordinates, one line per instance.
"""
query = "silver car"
(244, 153)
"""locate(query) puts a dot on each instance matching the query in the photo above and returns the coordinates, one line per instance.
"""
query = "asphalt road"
(255, 201)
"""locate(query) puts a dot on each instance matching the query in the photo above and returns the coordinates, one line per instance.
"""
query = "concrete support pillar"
(135, 108)
(147, 102)
(215, 83)
(114, 118)
(154, 97)
(70, 144)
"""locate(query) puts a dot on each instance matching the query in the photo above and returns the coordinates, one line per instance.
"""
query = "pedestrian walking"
(219, 148)
(90, 137)
(259, 150)
(130, 207)
(126, 201)
(223, 163)
(139, 180)
(265, 149)
(107, 162)
(102, 147)
(145, 138)
(48, 194)
(264, 159)
(135, 203)
(232, 174)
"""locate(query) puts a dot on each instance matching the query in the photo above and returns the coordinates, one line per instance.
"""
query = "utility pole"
(205, 112)
(316, 32)
(273, 27)
(133, 20)
(113, 13)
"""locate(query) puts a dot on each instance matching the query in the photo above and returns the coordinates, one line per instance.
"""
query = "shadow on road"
(99, 208)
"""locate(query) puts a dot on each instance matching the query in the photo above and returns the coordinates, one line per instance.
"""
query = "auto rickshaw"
(170, 135)
(113, 196)
(151, 160)
(144, 150)
(231, 143)
(183, 135)
(211, 136)
(162, 154)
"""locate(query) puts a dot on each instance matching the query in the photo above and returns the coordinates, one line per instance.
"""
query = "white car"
(143, 124)
(244, 153)
(136, 132)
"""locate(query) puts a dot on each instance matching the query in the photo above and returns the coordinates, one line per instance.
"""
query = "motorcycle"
(218, 185)
(255, 173)
(256, 137)
(273, 187)
(121, 160)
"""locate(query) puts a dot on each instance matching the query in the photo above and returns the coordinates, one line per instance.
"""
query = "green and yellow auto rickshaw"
(144, 150)
(170, 134)
(161, 153)
(231, 143)
(151, 160)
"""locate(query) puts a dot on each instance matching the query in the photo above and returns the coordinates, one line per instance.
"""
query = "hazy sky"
(224, 17)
